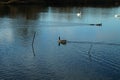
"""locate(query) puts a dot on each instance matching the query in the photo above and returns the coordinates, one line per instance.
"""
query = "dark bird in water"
(62, 41)
(100, 24)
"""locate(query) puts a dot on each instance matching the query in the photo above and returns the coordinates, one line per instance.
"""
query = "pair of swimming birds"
(100, 24)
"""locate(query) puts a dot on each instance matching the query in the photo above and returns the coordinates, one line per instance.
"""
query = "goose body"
(62, 41)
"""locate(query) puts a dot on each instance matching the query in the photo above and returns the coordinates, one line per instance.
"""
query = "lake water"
(91, 52)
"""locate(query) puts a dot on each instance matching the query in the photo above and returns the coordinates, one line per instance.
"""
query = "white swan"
(79, 14)
(117, 16)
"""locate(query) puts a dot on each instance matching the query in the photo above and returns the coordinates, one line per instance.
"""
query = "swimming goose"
(62, 41)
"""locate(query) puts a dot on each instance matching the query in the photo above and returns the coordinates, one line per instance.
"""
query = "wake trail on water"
(88, 42)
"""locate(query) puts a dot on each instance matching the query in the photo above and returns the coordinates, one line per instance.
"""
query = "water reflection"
(89, 50)
(47, 13)
(26, 12)
(33, 43)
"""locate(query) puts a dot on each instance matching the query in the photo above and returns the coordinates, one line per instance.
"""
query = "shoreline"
(60, 4)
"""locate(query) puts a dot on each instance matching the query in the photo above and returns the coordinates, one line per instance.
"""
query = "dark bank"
(62, 2)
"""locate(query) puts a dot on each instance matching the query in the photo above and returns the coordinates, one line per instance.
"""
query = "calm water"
(79, 59)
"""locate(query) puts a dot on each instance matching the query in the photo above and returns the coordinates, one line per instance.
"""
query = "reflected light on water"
(6, 32)
(6, 35)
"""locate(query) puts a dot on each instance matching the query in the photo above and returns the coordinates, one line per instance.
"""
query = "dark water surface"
(91, 53)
